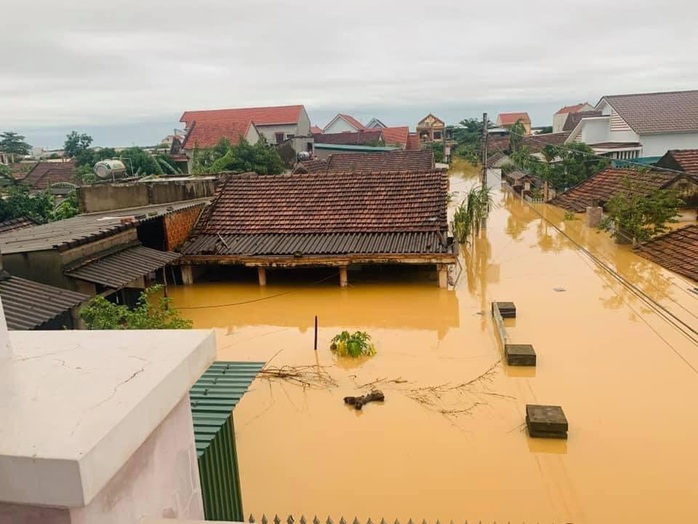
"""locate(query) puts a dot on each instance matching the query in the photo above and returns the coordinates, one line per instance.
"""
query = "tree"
(636, 214)
(12, 144)
(438, 150)
(243, 157)
(19, 202)
(149, 313)
(139, 162)
(76, 143)
(69, 207)
(516, 134)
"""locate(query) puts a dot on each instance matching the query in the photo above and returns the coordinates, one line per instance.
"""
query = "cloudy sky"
(125, 70)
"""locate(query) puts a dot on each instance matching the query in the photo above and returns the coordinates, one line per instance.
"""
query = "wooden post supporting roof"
(443, 275)
(343, 278)
(262, 276)
(187, 275)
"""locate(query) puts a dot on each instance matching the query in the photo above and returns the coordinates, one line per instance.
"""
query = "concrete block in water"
(520, 354)
(506, 309)
(546, 421)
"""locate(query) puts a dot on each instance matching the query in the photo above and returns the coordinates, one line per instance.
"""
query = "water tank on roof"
(110, 169)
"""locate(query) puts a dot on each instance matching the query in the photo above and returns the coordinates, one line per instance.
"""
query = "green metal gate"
(213, 398)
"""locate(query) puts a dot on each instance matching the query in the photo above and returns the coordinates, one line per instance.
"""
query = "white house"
(560, 117)
(641, 125)
(342, 123)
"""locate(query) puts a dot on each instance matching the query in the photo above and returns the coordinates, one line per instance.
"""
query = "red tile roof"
(353, 121)
(45, 174)
(396, 135)
(652, 113)
(368, 137)
(571, 109)
(381, 162)
(261, 116)
(329, 203)
(316, 130)
(206, 134)
(317, 165)
(676, 251)
(509, 119)
(685, 160)
(598, 189)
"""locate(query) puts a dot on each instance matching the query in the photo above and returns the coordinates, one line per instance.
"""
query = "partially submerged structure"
(597, 190)
(676, 251)
(325, 220)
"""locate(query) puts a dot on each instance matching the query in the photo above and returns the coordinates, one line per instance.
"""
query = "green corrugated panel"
(212, 399)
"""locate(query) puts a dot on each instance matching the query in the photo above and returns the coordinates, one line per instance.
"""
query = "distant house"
(641, 125)
(342, 123)
(676, 251)
(326, 220)
(374, 123)
(685, 160)
(431, 129)
(597, 190)
(393, 137)
(507, 120)
(390, 161)
(278, 124)
(563, 113)
(45, 175)
(316, 130)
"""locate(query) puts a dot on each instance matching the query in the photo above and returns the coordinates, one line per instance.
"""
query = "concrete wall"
(161, 479)
(106, 197)
(269, 132)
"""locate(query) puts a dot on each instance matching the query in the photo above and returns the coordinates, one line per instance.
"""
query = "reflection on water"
(461, 452)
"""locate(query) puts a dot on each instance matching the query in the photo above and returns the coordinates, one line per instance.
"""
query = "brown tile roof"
(329, 203)
(574, 118)
(360, 138)
(650, 113)
(19, 170)
(395, 135)
(16, 223)
(598, 189)
(685, 160)
(509, 119)
(615, 145)
(316, 130)
(317, 165)
(261, 116)
(205, 134)
(496, 157)
(422, 160)
(326, 214)
(45, 174)
(676, 251)
(571, 109)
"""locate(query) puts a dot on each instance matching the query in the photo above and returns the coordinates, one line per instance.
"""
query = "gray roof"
(81, 229)
(118, 269)
(574, 118)
(653, 113)
(28, 304)
(284, 244)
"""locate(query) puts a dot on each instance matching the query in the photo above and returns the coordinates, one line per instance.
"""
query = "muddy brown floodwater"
(624, 370)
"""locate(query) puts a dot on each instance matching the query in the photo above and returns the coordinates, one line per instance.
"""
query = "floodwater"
(618, 354)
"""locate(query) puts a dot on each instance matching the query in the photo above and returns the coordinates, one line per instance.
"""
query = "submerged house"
(422, 160)
(324, 220)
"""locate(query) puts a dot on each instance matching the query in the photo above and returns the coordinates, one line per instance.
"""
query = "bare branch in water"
(311, 377)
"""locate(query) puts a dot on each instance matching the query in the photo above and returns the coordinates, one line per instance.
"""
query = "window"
(290, 136)
(437, 135)
(279, 137)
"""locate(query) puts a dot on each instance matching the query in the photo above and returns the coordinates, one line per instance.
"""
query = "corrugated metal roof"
(317, 244)
(85, 228)
(28, 304)
(214, 396)
(123, 267)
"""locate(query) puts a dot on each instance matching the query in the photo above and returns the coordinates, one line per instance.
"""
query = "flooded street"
(448, 442)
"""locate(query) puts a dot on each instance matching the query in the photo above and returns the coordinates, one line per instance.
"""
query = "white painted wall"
(595, 130)
(339, 126)
(657, 145)
(559, 122)
(303, 128)
(269, 132)
(252, 135)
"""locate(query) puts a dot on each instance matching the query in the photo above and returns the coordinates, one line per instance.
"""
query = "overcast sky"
(125, 70)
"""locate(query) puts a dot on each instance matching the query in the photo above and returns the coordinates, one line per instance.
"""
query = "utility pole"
(484, 149)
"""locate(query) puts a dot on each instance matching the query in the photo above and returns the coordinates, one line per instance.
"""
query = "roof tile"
(261, 116)
(650, 113)
(676, 251)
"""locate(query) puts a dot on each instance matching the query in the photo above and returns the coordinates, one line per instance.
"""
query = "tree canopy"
(13, 144)
(75, 143)
(242, 157)
(149, 313)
